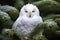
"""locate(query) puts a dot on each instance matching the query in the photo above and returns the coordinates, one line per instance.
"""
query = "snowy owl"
(28, 19)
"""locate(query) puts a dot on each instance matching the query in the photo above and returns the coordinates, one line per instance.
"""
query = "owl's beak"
(29, 15)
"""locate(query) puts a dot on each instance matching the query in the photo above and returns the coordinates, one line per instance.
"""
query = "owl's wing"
(16, 26)
(20, 27)
(17, 22)
(38, 28)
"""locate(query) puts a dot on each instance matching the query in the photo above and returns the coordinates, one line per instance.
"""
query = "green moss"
(58, 1)
(39, 37)
(37, 29)
(57, 20)
(18, 4)
(50, 29)
(51, 25)
(8, 32)
(58, 33)
(47, 7)
(30, 1)
(51, 16)
(12, 11)
(5, 20)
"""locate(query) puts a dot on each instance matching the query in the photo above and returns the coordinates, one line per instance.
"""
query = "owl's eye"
(26, 11)
(33, 11)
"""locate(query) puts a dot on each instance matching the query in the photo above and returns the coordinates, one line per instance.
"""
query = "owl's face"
(29, 10)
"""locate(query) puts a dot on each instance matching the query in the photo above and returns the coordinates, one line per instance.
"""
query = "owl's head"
(29, 10)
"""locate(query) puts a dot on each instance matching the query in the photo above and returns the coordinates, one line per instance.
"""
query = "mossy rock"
(30, 1)
(5, 20)
(12, 11)
(10, 33)
(37, 29)
(51, 25)
(52, 16)
(7, 32)
(18, 4)
(58, 1)
(50, 29)
(58, 33)
(47, 7)
(39, 37)
(57, 20)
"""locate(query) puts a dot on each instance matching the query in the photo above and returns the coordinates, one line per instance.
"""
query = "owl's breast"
(27, 25)
(25, 29)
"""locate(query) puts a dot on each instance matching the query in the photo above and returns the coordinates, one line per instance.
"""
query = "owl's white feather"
(28, 19)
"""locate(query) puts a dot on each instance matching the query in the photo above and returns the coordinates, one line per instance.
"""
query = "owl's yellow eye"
(26, 11)
(33, 11)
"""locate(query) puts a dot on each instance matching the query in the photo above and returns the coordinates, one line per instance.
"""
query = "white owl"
(28, 19)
